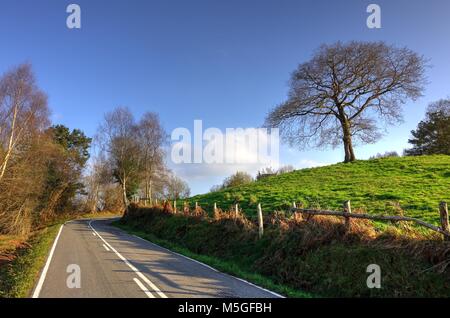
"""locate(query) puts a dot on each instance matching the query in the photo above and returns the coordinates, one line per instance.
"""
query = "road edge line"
(37, 289)
(212, 268)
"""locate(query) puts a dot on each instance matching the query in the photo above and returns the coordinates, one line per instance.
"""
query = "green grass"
(415, 184)
(18, 277)
(228, 267)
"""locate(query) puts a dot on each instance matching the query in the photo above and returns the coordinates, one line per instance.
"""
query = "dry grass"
(9, 244)
(316, 254)
(318, 230)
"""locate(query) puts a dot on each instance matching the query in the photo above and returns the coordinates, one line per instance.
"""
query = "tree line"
(130, 161)
(40, 165)
(46, 170)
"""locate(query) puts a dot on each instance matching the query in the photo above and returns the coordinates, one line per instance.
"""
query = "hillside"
(410, 185)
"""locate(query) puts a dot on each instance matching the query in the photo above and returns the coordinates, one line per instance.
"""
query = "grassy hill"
(410, 185)
(319, 257)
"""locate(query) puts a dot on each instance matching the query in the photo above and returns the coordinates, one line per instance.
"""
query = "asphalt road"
(91, 258)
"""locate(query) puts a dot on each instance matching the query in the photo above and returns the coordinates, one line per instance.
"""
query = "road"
(106, 262)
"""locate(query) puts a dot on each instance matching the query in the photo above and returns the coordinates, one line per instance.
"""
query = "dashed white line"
(38, 288)
(144, 289)
(93, 233)
(142, 276)
(106, 247)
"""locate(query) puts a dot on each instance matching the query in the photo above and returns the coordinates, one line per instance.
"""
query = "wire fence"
(346, 213)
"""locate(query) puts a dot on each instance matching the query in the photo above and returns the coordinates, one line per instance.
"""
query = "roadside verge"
(217, 264)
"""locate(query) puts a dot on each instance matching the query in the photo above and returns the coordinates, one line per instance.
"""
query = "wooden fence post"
(236, 211)
(196, 206)
(347, 209)
(443, 209)
(294, 205)
(215, 211)
(175, 206)
(260, 221)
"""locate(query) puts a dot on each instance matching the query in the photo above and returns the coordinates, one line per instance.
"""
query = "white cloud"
(308, 163)
(248, 150)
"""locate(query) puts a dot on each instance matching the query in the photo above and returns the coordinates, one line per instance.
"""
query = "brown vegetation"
(315, 254)
(40, 166)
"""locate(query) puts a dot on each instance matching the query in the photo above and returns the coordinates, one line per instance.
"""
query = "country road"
(113, 263)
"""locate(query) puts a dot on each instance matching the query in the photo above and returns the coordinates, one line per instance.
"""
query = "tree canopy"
(344, 91)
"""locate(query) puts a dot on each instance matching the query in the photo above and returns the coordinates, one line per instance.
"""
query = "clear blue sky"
(226, 62)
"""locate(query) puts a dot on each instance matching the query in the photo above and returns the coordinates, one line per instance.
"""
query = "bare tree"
(176, 188)
(23, 150)
(23, 110)
(117, 136)
(98, 181)
(152, 138)
(339, 95)
(40, 168)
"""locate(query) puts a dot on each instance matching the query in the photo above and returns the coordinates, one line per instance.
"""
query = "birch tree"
(117, 136)
(152, 139)
(23, 111)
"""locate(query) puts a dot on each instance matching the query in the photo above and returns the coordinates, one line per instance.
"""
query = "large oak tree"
(345, 91)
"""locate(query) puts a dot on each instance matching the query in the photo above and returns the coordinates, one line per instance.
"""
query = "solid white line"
(144, 289)
(106, 247)
(142, 276)
(40, 283)
(212, 268)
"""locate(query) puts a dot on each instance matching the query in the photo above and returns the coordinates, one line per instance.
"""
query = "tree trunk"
(150, 192)
(348, 145)
(124, 194)
(94, 199)
(146, 192)
(10, 144)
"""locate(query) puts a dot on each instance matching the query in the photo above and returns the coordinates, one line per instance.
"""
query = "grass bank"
(413, 186)
(224, 266)
(307, 257)
(18, 276)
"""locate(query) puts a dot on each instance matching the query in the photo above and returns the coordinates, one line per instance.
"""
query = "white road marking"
(142, 276)
(144, 289)
(40, 283)
(212, 268)
(94, 234)
(106, 247)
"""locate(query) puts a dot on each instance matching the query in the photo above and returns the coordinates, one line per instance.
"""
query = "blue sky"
(226, 62)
